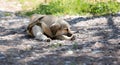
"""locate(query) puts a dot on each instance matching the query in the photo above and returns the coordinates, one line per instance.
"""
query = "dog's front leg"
(64, 37)
(38, 33)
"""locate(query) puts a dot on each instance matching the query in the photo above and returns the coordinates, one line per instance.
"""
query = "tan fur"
(51, 26)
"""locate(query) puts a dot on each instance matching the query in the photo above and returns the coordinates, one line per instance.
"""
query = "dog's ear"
(55, 27)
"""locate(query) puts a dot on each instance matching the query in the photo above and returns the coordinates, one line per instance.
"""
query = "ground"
(97, 42)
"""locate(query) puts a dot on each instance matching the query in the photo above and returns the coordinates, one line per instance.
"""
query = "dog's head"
(61, 27)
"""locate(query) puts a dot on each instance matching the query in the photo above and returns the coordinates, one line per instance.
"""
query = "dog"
(47, 27)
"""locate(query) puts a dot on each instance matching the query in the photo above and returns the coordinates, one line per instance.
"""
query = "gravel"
(97, 42)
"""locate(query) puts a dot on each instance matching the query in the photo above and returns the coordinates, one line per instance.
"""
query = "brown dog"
(46, 27)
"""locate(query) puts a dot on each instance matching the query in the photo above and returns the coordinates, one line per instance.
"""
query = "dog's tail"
(33, 22)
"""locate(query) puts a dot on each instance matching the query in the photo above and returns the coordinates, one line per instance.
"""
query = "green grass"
(102, 8)
(73, 7)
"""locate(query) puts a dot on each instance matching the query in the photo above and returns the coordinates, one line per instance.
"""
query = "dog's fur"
(46, 27)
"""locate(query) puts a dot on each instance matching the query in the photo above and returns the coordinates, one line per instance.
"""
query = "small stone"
(54, 43)
(67, 62)
(29, 47)
(2, 56)
(25, 47)
(98, 45)
(114, 41)
(84, 64)
(115, 62)
(17, 58)
(118, 52)
(55, 57)
(70, 52)
(86, 50)
(96, 51)
(22, 56)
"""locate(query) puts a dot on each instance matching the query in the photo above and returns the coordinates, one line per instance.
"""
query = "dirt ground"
(97, 43)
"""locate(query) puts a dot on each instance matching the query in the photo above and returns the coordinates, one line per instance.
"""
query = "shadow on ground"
(85, 50)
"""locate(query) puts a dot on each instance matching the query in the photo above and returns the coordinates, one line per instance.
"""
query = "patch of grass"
(102, 8)
(7, 14)
(55, 45)
(73, 7)
(75, 45)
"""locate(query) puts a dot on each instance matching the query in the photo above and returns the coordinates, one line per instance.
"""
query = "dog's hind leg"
(38, 33)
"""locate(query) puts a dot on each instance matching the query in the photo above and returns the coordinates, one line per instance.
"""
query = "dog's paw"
(47, 40)
(44, 39)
